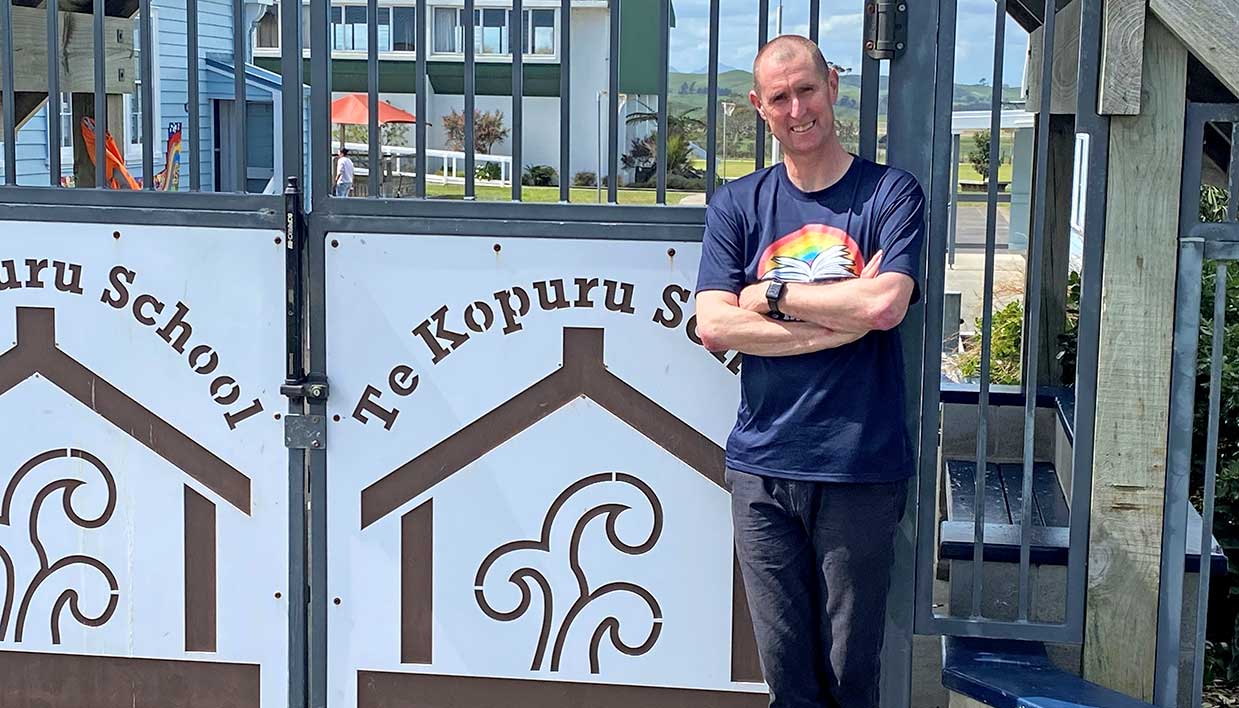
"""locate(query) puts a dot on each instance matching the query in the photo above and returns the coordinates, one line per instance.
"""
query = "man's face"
(797, 102)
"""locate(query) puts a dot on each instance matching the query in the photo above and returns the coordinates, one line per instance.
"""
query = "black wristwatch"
(774, 293)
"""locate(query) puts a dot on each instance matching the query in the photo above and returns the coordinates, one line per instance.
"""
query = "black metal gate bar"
(1178, 464)
(195, 98)
(1094, 154)
(53, 94)
(239, 110)
(148, 95)
(565, 100)
(374, 180)
(101, 99)
(9, 136)
(664, 40)
(987, 319)
(712, 104)
(296, 285)
(320, 104)
(763, 34)
(420, 80)
(613, 104)
(938, 195)
(1032, 306)
(1210, 488)
(815, 10)
(1232, 174)
(516, 41)
(470, 91)
(292, 101)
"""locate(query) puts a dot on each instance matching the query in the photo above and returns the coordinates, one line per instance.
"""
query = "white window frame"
(504, 57)
(389, 5)
(133, 141)
(274, 51)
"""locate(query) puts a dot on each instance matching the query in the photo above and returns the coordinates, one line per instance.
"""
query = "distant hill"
(688, 90)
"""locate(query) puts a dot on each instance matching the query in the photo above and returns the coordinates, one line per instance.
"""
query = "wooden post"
(1133, 382)
(1122, 52)
(83, 105)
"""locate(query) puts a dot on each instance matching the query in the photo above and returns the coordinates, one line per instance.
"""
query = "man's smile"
(803, 128)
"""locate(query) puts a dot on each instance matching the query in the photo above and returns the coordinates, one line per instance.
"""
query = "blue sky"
(840, 35)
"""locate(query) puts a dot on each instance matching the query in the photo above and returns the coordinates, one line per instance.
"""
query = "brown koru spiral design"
(521, 578)
(47, 568)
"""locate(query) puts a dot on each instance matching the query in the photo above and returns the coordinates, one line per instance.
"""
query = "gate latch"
(305, 432)
(886, 28)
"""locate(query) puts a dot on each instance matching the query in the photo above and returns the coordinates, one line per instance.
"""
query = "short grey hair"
(788, 46)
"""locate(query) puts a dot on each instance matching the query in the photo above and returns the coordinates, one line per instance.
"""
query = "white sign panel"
(143, 522)
(525, 458)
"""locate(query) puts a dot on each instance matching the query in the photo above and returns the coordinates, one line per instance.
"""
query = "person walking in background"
(344, 173)
(807, 268)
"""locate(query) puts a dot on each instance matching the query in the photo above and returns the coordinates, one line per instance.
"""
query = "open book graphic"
(830, 263)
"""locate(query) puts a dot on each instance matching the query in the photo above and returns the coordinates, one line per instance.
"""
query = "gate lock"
(306, 432)
(886, 28)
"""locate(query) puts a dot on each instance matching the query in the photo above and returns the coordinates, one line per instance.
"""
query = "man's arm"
(872, 301)
(722, 325)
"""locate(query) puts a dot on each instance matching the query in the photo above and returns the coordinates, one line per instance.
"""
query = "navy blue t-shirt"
(837, 414)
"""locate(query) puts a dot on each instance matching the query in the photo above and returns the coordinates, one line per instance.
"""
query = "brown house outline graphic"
(582, 374)
(36, 353)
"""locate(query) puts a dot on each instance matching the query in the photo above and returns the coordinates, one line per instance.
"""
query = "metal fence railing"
(1200, 243)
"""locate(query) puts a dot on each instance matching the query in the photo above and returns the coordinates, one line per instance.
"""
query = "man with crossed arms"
(807, 268)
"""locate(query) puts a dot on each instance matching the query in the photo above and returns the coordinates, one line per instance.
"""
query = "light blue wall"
(215, 40)
(32, 159)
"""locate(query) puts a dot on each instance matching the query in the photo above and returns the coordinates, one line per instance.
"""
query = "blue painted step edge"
(1014, 674)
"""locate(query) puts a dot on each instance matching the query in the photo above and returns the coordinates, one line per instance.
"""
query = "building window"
(397, 28)
(447, 30)
(403, 29)
(66, 121)
(268, 34)
(490, 32)
(540, 27)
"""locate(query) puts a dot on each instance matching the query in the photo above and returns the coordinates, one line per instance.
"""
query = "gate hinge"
(313, 389)
(305, 432)
(886, 28)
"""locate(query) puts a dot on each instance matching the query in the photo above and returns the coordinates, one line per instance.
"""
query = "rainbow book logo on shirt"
(811, 253)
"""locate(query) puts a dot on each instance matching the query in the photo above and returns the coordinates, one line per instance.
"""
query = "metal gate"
(1208, 244)
(431, 345)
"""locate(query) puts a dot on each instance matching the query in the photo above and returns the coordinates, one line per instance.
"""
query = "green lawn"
(577, 195)
(968, 174)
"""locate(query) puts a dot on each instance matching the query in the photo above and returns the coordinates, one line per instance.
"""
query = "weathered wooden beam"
(1122, 53)
(83, 105)
(1133, 379)
(76, 54)
(1209, 29)
(1065, 67)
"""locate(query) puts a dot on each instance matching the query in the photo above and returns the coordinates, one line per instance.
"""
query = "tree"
(849, 135)
(642, 157)
(979, 155)
(487, 130)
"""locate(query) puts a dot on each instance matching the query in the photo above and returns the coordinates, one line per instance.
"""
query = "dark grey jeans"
(816, 559)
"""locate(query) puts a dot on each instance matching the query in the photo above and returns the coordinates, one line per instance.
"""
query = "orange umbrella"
(354, 109)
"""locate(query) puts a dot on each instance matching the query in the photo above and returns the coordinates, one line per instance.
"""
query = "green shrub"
(539, 176)
(488, 170)
(1005, 342)
(585, 179)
